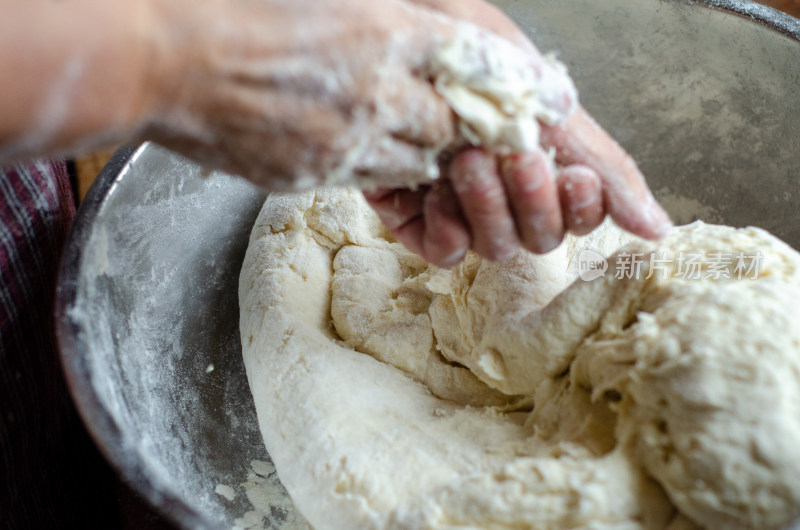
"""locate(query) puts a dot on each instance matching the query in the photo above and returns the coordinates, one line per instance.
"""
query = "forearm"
(75, 73)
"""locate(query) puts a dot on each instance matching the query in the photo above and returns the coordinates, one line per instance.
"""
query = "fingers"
(543, 207)
(579, 140)
(534, 199)
(581, 197)
(426, 221)
(468, 211)
(396, 208)
(492, 211)
(482, 195)
(447, 239)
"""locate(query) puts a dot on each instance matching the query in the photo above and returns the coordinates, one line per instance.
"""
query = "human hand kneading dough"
(495, 204)
(295, 94)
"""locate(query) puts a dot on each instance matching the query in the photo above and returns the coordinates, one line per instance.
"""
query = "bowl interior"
(706, 101)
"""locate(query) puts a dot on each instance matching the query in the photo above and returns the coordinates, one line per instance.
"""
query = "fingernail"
(391, 219)
(454, 259)
(504, 250)
(548, 242)
(507, 253)
(660, 220)
(543, 240)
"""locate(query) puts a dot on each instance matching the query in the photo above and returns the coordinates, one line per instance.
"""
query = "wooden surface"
(89, 166)
(787, 6)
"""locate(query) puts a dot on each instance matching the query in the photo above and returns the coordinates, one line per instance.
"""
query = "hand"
(494, 205)
(296, 94)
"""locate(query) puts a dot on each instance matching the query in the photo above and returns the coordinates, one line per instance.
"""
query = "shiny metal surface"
(707, 100)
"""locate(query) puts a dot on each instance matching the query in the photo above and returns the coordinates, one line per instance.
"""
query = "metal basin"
(707, 100)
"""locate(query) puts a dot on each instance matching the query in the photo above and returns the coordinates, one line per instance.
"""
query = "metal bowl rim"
(97, 419)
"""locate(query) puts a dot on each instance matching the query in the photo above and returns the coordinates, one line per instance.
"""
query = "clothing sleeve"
(51, 474)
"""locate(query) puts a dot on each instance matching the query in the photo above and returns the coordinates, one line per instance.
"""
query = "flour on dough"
(391, 394)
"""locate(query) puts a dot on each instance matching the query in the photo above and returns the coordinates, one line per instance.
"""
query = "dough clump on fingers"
(391, 394)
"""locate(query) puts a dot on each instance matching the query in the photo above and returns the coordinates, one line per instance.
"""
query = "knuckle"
(534, 202)
(543, 231)
(526, 172)
(474, 181)
(488, 209)
(584, 204)
(529, 183)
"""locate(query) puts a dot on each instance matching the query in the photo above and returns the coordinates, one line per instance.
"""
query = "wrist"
(79, 80)
(165, 59)
(179, 48)
(194, 50)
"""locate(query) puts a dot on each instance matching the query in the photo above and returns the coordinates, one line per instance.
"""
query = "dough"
(391, 394)
(498, 97)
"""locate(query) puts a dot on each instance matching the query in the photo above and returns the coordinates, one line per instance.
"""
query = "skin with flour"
(597, 177)
(275, 92)
(617, 403)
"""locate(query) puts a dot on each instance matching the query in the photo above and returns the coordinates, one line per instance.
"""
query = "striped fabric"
(51, 475)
